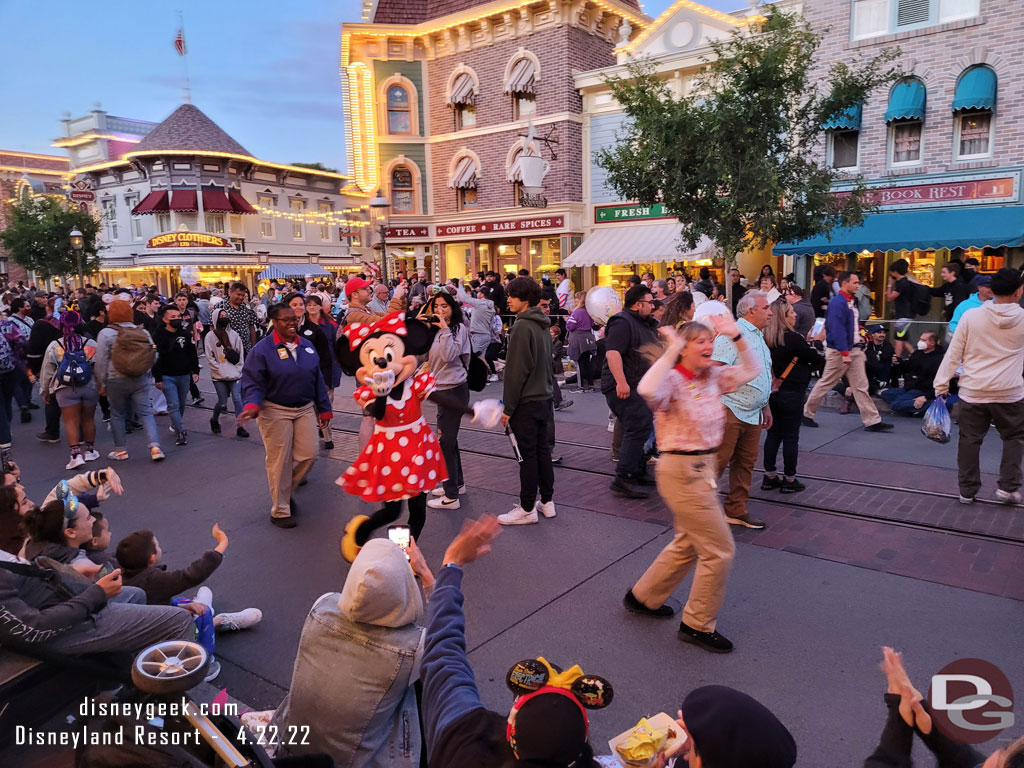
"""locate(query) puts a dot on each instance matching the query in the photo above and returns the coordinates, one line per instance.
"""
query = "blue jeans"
(224, 389)
(128, 396)
(176, 390)
(901, 401)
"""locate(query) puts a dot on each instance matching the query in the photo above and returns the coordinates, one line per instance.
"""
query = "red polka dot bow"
(356, 333)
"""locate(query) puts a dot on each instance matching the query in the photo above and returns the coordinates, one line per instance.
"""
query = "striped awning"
(638, 243)
(462, 91)
(464, 176)
(521, 78)
(184, 201)
(154, 202)
(284, 271)
(216, 201)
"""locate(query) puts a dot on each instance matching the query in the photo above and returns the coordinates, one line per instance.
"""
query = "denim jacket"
(352, 684)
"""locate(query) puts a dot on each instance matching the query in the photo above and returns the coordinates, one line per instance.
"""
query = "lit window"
(467, 198)
(843, 148)
(399, 115)
(974, 134)
(465, 116)
(298, 207)
(402, 200)
(905, 142)
(215, 223)
(325, 227)
(266, 203)
(110, 217)
(523, 104)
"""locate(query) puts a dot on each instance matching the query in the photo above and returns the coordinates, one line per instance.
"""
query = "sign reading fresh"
(606, 213)
(188, 240)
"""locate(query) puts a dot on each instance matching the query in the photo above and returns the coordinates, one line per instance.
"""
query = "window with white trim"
(843, 148)
(163, 222)
(402, 190)
(871, 18)
(905, 140)
(110, 217)
(298, 207)
(325, 228)
(974, 131)
(215, 223)
(266, 203)
(130, 202)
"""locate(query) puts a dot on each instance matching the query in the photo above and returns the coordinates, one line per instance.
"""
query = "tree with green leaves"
(38, 236)
(738, 158)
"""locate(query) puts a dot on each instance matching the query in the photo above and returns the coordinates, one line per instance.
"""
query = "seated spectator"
(879, 355)
(548, 728)
(57, 530)
(359, 654)
(60, 616)
(97, 548)
(908, 713)
(914, 397)
(139, 555)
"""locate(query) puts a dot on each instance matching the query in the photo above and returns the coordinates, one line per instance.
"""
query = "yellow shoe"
(349, 548)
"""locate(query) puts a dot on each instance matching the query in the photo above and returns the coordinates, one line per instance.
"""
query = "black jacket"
(920, 368)
(952, 294)
(807, 360)
(626, 333)
(878, 364)
(38, 340)
(314, 334)
(821, 295)
(160, 585)
(176, 354)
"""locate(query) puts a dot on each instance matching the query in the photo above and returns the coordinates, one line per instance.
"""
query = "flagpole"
(187, 93)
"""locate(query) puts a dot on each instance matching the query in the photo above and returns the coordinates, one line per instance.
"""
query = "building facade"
(442, 97)
(942, 149)
(22, 175)
(622, 238)
(188, 194)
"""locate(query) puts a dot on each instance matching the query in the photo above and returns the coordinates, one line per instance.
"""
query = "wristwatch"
(737, 337)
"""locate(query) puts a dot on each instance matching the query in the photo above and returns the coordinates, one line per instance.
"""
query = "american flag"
(179, 42)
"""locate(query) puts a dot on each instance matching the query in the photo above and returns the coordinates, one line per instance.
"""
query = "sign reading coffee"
(500, 227)
(188, 240)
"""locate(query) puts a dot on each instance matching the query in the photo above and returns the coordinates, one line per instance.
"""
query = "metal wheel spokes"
(170, 660)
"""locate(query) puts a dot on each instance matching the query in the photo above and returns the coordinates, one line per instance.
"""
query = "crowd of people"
(690, 381)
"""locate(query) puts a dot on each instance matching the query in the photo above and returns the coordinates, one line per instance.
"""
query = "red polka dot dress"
(403, 458)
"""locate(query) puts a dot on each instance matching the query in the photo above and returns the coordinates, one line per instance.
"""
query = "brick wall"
(937, 55)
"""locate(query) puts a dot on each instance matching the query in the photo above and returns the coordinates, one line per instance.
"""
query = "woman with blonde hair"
(793, 360)
(582, 345)
(684, 390)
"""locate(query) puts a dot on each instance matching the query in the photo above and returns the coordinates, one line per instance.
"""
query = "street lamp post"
(78, 245)
(381, 204)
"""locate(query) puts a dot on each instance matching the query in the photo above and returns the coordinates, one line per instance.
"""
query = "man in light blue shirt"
(983, 284)
(747, 411)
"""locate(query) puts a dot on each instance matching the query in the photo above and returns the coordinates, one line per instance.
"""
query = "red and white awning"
(154, 202)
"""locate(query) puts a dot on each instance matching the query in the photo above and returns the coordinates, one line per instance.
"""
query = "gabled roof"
(187, 128)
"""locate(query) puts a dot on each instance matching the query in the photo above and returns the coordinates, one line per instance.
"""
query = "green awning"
(930, 229)
(847, 120)
(976, 90)
(907, 101)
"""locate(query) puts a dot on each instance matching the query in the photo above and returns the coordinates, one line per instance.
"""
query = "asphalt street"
(807, 631)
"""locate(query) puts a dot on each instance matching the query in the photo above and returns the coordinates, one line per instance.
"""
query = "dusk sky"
(266, 72)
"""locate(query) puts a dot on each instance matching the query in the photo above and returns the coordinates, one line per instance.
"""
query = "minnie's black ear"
(593, 692)
(419, 336)
(526, 676)
(348, 358)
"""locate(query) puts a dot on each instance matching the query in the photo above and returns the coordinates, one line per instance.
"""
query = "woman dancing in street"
(683, 389)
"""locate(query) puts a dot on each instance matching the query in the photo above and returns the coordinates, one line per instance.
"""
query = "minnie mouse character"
(403, 459)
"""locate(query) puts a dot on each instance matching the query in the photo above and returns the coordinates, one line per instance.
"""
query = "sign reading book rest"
(188, 240)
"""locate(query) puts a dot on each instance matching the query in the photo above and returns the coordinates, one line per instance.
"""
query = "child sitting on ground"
(97, 548)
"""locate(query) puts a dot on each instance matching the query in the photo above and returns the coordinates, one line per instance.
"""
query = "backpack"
(74, 370)
(6, 355)
(132, 353)
(922, 299)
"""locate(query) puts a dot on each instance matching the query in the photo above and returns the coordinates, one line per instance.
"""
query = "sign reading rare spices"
(500, 227)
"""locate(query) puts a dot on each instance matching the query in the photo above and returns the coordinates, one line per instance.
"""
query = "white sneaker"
(75, 462)
(91, 455)
(519, 516)
(444, 503)
(250, 617)
(492, 377)
(1008, 497)
(172, 430)
(966, 499)
(212, 671)
(439, 491)
(546, 508)
(204, 595)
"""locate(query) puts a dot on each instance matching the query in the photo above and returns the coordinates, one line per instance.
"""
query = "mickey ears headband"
(63, 493)
(357, 333)
(530, 675)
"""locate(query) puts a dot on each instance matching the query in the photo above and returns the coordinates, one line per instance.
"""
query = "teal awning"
(907, 101)
(284, 271)
(976, 90)
(847, 120)
(934, 228)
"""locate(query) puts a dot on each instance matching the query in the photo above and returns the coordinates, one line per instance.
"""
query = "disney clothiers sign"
(188, 240)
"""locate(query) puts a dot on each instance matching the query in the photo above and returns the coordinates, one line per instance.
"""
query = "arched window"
(463, 172)
(399, 112)
(905, 117)
(974, 113)
(402, 190)
(521, 76)
(463, 87)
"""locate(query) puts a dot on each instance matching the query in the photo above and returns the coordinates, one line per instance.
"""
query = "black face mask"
(176, 323)
(222, 322)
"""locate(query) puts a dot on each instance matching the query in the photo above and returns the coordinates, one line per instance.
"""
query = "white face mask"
(922, 345)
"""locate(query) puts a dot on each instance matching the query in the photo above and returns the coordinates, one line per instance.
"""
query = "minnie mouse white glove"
(381, 383)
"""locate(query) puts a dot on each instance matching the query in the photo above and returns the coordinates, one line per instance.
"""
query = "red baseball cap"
(354, 284)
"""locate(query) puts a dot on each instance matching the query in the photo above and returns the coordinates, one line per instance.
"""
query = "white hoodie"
(989, 343)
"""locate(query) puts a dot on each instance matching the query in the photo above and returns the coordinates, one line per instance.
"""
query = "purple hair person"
(69, 322)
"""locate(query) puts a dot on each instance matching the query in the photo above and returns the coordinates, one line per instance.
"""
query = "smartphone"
(818, 325)
(103, 571)
(400, 535)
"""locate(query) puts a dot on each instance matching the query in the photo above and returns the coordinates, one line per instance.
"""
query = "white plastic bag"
(937, 424)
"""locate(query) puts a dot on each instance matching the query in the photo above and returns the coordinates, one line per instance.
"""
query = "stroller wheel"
(173, 666)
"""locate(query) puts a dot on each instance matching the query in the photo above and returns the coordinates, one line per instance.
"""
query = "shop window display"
(402, 200)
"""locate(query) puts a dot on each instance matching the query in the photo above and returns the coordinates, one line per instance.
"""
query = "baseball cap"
(985, 280)
(876, 328)
(730, 728)
(354, 284)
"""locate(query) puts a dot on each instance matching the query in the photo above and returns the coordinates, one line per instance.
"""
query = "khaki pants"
(738, 451)
(855, 373)
(290, 437)
(687, 485)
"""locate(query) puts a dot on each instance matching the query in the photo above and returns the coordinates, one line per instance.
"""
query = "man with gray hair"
(747, 411)
(381, 298)
(660, 290)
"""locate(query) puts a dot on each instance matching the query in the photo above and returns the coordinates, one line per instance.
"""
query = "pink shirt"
(688, 410)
